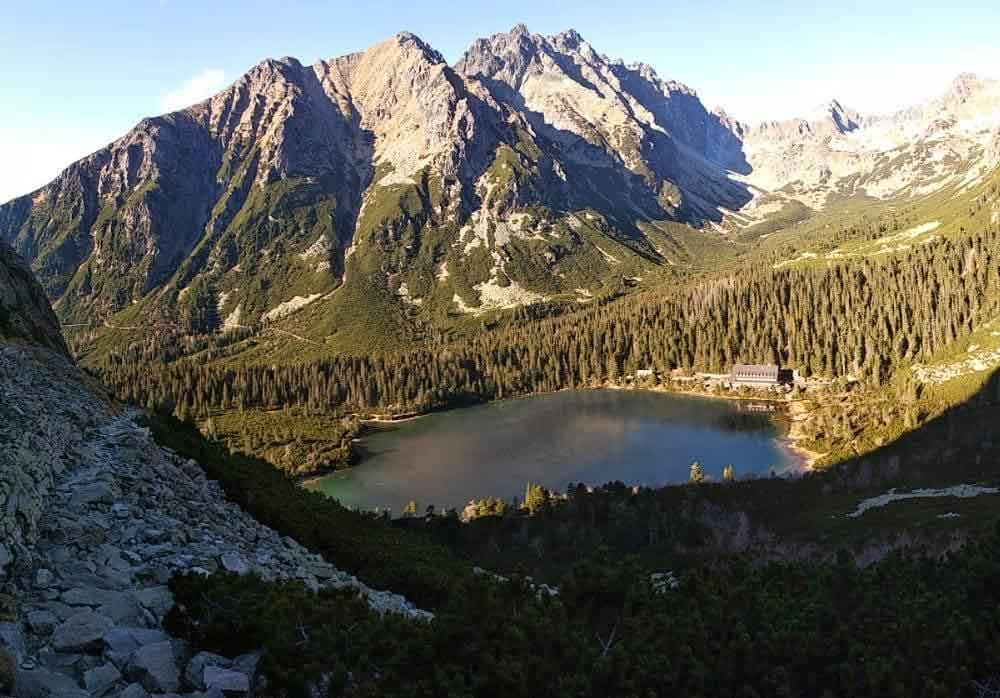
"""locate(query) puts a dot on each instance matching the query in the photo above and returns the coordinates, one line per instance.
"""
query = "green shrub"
(908, 626)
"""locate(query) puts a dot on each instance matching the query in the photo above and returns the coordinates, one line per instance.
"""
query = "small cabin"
(755, 374)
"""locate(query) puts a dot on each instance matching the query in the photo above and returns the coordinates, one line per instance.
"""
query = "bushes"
(909, 626)
(303, 635)
(382, 555)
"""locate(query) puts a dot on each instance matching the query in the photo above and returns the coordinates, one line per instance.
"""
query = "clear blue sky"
(77, 74)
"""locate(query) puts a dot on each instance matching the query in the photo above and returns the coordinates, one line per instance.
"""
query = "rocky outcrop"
(96, 519)
(25, 314)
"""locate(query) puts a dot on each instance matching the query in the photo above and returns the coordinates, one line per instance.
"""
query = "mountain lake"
(577, 436)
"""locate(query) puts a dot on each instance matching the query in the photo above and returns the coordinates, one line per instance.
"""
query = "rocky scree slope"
(95, 518)
(534, 167)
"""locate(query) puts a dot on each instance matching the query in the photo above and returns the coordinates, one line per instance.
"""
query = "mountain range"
(388, 188)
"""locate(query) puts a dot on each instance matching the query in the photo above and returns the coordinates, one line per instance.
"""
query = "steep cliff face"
(25, 315)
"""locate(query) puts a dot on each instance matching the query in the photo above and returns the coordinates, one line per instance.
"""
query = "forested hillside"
(864, 318)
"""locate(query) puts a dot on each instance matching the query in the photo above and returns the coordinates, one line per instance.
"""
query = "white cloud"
(203, 85)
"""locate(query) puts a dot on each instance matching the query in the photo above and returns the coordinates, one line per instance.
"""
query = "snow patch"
(960, 491)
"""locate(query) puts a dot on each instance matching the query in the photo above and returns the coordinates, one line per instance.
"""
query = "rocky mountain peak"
(247, 205)
(506, 54)
(570, 40)
(409, 41)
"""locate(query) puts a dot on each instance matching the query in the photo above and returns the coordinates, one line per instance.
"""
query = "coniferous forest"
(864, 319)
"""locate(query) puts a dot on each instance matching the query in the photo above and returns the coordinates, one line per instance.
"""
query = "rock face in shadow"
(25, 314)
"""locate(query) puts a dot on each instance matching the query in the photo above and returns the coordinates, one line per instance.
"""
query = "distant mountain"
(386, 189)
(947, 141)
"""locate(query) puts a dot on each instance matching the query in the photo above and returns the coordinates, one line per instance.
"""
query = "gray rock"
(42, 683)
(91, 597)
(134, 690)
(155, 535)
(93, 493)
(234, 562)
(227, 680)
(41, 621)
(99, 680)
(44, 578)
(83, 632)
(194, 673)
(61, 610)
(155, 667)
(124, 609)
(157, 599)
(122, 642)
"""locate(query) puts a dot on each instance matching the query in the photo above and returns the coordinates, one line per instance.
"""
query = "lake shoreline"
(791, 441)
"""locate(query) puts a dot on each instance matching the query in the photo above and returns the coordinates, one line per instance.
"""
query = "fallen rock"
(41, 622)
(234, 562)
(159, 600)
(44, 578)
(134, 690)
(42, 683)
(83, 632)
(100, 679)
(155, 667)
(194, 673)
(227, 680)
(91, 597)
